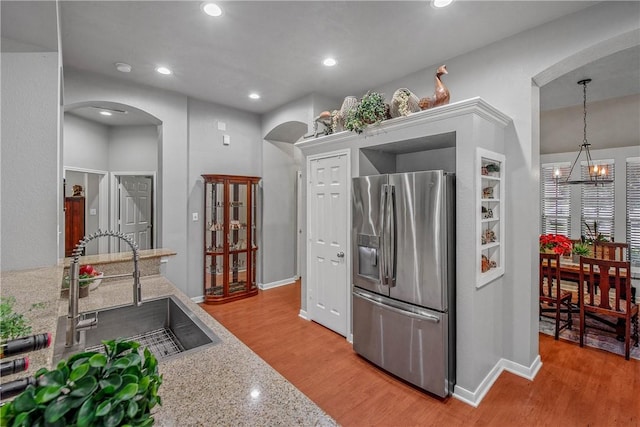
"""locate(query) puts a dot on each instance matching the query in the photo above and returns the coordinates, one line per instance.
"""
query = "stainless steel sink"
(164, 325)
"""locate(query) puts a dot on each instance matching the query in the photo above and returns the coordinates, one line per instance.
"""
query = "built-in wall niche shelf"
(490, 193)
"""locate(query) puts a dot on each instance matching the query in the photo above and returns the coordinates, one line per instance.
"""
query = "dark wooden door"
(73, 223)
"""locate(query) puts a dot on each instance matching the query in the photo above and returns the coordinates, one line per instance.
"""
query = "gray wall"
(133, 148)
(31, 181)
(85, 144)
(207, 155)
(443, 158)
(170, 109)
(505, 320)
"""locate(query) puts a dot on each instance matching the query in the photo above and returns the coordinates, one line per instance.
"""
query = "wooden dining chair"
(552, 296)
(611, 250)
(614, 305)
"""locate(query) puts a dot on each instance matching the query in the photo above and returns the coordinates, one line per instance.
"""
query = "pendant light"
(597, 174)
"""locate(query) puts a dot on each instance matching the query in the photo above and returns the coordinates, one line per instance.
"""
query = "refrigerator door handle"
(392, 235)
(383, 237)
(422, 316)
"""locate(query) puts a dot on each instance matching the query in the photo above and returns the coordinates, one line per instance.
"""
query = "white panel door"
(328, 284)
(135, 210)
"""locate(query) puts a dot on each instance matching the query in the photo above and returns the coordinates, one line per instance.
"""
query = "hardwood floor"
(575, 387)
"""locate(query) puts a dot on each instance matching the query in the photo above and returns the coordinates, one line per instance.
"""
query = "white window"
(555, 199)
(598, 204)
(633, 209)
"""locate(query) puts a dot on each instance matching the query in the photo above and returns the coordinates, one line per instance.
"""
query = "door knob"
(340, 254)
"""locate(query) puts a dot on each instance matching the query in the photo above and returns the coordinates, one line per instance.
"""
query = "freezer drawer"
(412, 345)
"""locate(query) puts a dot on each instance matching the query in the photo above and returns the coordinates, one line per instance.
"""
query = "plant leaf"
(21, 419)
(98, 360)
(103, 408)
(57, 409)
(87, 414)
(79, 372)
(127, 392)
(132, 409)
(25, 402)
(47, 393)
(52, 378)
(114, 417)
(85, 386)
(129, 379)
(143, 384)
(121, 363)
(111, 383)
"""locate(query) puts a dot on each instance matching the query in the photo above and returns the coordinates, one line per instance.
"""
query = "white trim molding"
(198, 300)
(304, 314)
(474, 398)
(277, 283)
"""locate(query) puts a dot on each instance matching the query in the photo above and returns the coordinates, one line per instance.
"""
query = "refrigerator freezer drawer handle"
(424, 316)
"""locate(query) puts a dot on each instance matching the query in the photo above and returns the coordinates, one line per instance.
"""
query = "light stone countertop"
(208, 387)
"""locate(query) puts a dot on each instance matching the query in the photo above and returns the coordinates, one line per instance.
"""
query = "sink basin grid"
(164, 325)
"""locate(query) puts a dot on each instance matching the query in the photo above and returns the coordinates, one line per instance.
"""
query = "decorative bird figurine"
(441, 96)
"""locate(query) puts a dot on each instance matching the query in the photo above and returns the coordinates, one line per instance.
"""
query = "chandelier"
(597, 174)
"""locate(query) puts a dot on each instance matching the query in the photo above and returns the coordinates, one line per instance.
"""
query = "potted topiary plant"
(370, 110)
(91, 389)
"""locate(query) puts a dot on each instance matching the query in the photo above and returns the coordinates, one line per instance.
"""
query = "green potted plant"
(370, 110)
(91, 389)
(580, 249)
(12, 325)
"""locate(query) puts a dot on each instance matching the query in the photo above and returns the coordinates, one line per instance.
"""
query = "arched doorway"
(105, 146)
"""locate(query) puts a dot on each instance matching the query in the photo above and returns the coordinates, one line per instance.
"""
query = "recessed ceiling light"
(105, 113)
(441, 3)
(254, 95)
(329, 62)
(163, 70)
(211, 9)
(122, 67)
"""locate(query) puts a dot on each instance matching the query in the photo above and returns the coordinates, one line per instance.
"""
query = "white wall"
(619, 156)
(443, 158)
(29, 160)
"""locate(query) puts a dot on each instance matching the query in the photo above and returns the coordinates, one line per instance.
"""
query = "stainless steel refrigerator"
(404, 276)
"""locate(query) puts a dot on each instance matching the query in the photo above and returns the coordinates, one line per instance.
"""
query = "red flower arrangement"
(556, 242)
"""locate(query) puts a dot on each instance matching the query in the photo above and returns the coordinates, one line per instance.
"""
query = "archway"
(103, 141)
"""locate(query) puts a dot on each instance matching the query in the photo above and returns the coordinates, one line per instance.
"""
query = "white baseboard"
(198, 300)
(304, 314)
(474, 398)
(265, 286)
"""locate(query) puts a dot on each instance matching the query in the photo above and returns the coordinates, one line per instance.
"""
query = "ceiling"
(276, 47)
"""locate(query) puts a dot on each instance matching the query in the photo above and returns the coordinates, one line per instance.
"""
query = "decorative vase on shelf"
(349, 103)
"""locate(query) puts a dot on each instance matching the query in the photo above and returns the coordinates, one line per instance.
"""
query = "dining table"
(570, 272)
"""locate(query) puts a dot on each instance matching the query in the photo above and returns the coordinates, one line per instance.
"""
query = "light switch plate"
(226, 139)
(222, 126)
(92, 212)
(194, 216)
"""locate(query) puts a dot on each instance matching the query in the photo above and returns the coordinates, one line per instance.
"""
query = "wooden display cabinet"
(230, 249)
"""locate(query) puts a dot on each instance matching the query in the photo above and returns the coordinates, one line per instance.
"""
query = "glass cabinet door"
(230, 237)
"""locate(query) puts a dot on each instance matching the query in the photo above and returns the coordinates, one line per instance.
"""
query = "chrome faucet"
(74, 323)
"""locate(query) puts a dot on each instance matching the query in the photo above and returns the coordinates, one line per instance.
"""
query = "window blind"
(633, 209)
(598, 204)
(555, 200)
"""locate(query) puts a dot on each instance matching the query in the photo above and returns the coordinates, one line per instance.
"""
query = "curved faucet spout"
(73, 327)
